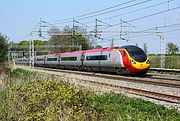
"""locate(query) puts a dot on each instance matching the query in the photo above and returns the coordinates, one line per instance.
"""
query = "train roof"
(40, 55)
(69, 53)
(101, 49)
(91, 51)
(86, 51)
(129, 47)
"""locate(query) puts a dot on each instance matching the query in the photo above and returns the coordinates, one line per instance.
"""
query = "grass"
(34, 96)
(171, 61)
(121, 108)
(23, 74)
(3, 104)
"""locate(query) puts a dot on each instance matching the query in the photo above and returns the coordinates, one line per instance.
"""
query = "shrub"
(19, 73)
(3, 48)
(50, 100)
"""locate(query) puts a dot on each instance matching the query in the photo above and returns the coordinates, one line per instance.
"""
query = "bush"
(3, 48)
(19, 73)
(50, 100)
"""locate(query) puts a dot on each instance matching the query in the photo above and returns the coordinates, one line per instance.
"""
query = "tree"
(145, 48)
(172, 48)
(26, 43)
(66, 38)
(22, 47)
(3, 48)
(23, 43)
(58, 38)
(98, 47)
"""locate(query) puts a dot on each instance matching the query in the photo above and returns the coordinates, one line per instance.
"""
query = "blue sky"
(18, 17)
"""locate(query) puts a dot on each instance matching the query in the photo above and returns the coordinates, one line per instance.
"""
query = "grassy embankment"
(33, 96)
(171, 61)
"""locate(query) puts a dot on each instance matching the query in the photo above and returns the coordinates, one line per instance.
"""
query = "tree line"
(59, 41)
(171, 48)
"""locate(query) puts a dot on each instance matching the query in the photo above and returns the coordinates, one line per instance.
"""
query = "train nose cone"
(141, 66)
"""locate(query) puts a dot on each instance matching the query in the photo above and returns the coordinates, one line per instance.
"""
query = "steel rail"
(140, 92)
(163, 70)
(115, 77)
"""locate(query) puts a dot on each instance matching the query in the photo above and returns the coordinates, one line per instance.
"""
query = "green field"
(32, 96)
(171, 61)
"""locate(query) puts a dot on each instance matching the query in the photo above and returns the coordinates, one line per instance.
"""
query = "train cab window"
(136, 53)
(97, 57)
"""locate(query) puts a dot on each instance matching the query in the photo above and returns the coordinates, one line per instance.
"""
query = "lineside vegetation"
(171, 61)
(34, 96)
(3, 48)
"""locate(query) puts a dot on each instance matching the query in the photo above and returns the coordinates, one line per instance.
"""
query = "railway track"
(115, 87)
(156, 80)
(164, 76)
(140, 92)
(172, 79)
(163, 70)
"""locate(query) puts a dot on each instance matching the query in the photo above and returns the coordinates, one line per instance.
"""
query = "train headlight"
(132, 61)
(148, 62)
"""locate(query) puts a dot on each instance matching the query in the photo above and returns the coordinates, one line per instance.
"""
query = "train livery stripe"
(126, 60)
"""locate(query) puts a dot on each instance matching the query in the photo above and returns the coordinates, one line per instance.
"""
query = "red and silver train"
(126, 59)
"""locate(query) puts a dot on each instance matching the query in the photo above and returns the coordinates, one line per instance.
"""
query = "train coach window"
(39, 59)
(97, 57)
(51, 59)
(68, 58)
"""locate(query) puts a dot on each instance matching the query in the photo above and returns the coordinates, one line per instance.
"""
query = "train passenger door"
(82, 59)
(103, 61)
(59, 60)
(44, 64)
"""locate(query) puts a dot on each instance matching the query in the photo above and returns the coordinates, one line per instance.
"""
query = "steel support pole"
(30, 53)
(162, 51)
